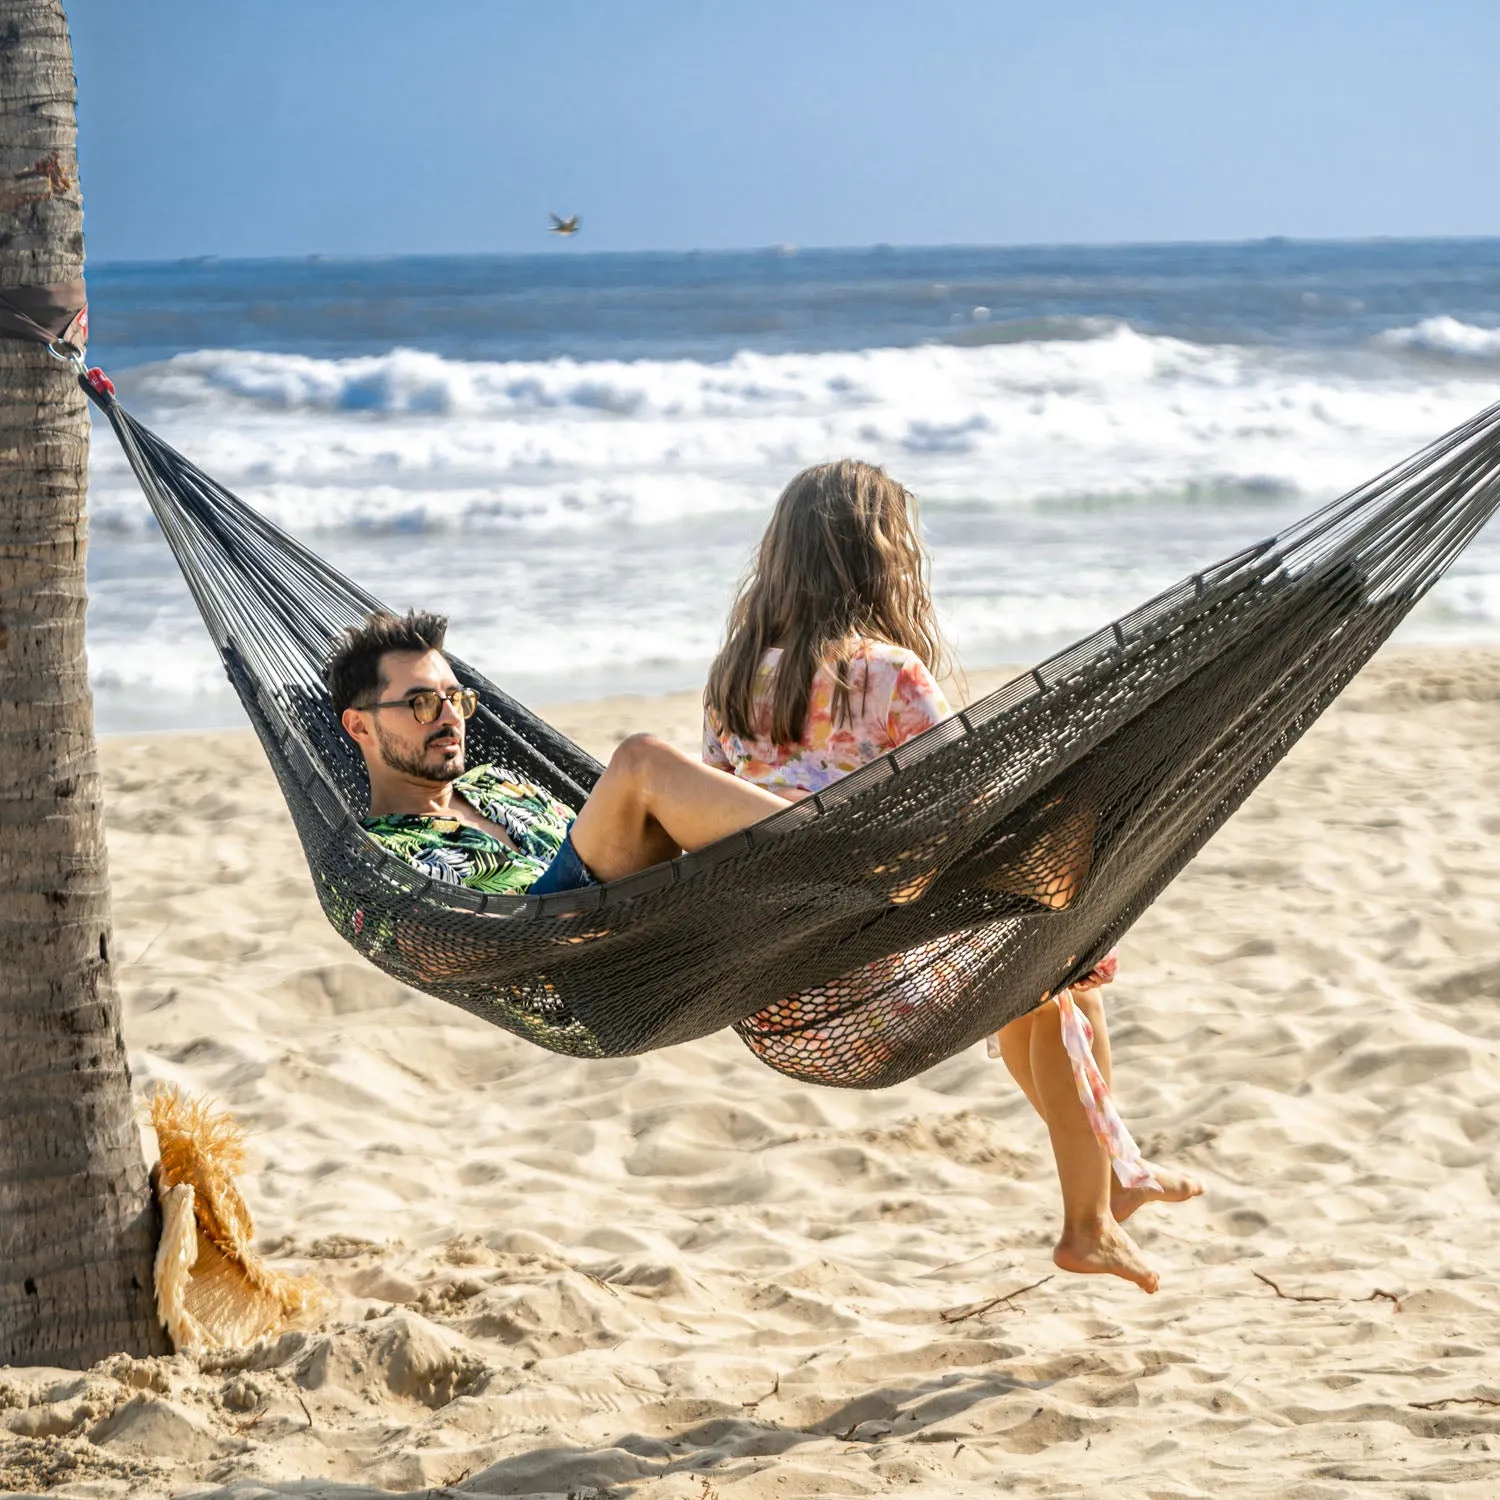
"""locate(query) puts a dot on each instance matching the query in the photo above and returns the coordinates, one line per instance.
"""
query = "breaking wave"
(411, 441)
(1446, 336)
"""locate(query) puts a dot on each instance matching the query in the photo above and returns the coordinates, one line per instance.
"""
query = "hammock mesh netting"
(864, 934)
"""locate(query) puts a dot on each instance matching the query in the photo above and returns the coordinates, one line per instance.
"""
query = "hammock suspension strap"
(56, 316)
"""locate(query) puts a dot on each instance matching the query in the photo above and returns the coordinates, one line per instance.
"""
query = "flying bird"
(563, 227)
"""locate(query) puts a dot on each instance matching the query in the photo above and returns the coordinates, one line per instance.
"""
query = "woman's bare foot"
(1173, 1187)
(1104, 1250)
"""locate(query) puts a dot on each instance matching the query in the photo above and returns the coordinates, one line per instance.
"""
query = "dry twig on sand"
(1439, 1404)
(958, 1314)
(1376, 1296)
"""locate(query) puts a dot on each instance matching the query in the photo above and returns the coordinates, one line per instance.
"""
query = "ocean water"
(574, 454)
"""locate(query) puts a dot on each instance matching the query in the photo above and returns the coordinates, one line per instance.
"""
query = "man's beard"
(420, 764)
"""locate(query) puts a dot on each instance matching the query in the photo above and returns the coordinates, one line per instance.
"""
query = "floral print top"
(892, 697)
(459, 854)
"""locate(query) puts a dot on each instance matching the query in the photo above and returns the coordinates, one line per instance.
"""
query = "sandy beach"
(683, 1277)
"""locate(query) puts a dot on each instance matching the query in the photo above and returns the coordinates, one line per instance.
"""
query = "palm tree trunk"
(77, 1218)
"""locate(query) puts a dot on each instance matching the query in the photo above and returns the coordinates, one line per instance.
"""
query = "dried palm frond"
(212, 1288)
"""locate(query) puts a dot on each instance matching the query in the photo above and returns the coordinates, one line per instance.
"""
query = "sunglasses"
(427, 703)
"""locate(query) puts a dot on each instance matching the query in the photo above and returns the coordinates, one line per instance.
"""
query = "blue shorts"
(566, 872)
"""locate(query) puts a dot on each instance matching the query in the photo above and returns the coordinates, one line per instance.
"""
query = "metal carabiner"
(73, 356)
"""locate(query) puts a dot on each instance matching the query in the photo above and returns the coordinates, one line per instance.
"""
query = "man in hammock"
(400, 702)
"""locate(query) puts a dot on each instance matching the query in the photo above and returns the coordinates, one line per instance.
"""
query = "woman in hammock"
(828, 663)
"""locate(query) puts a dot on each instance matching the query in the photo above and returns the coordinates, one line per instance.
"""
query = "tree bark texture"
(77, 1218)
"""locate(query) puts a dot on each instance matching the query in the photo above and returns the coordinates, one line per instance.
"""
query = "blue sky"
(290, 127)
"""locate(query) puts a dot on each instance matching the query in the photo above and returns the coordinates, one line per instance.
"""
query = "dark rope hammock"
(866, 933)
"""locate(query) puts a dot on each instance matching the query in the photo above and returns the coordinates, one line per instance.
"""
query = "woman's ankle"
(1088, 1226)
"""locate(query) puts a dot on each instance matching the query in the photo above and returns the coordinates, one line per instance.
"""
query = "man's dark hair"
(352, 670)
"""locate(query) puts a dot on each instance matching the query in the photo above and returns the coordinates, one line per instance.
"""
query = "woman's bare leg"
(1092, 1242)
(1171, 1187)
(653, 802)
(1015, 1051)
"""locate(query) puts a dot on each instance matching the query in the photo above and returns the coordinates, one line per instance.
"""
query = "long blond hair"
(841, 558)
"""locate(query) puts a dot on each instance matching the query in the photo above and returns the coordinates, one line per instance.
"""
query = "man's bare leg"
(653, 802)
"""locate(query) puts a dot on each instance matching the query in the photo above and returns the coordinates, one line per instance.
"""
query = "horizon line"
(788, 249)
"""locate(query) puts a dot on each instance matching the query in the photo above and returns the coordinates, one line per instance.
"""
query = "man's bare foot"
(1174, 1187)
(1104, 1251)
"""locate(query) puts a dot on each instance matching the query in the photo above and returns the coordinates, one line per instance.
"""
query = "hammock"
(864, 934)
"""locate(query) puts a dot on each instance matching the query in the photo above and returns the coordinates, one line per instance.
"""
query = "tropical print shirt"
(892, 697)
(460, 854)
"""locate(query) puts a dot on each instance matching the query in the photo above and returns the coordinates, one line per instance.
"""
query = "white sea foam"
(585, 523)
(1447, 336)
(410, 441)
